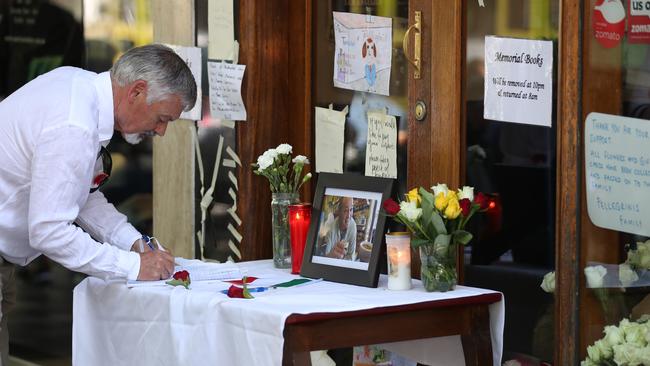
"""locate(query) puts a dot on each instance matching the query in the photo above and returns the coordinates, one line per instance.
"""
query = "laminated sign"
(518, 80)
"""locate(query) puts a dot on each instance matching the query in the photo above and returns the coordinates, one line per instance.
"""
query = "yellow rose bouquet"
(436, 221)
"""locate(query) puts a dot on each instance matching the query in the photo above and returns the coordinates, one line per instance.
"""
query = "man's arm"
(61, 170)
(104, 223)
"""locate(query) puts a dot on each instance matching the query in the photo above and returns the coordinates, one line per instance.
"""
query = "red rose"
(391, 207)
(481, 200)
(237, 292)
(182, 276)
(465, 206)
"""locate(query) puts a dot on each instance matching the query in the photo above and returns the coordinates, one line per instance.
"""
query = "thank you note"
(617, 166)
(225, 91)
(381, 148)
(518, 80)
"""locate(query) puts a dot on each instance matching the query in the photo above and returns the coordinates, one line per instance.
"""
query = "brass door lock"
(420, 110)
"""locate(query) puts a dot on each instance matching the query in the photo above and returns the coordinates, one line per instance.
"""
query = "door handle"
(415, 61)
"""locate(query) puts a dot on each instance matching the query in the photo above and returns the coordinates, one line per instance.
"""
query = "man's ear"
(137, 89)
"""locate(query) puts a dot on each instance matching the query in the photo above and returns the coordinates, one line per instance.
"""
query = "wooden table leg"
(477, 345)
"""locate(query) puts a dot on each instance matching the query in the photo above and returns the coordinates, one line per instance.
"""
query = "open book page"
(199, 271)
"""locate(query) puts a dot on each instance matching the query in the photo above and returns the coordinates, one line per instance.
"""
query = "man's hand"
(338, 250)
(155, 265)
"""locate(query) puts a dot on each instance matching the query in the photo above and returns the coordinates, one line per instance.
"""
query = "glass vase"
(280, 228)
(438, 270)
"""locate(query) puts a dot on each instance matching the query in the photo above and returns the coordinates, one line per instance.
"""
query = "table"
(116, 325)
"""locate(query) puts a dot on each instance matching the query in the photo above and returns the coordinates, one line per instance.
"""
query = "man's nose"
(161, 128)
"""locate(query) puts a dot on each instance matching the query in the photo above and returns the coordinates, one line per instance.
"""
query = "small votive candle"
(398, 253)
(299, 218)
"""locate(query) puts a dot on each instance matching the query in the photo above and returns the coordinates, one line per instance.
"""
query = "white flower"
(635, 334)
(264, 161)
(613, 335)
(440, 187)
(272, 153)
(284, 149)
(548, 284)
(627, 354)
(300, 159)
(627, 275)
(466, 192)
(641, 256)
(512, 363)
(588, 362)
(410, 210)
(595, 276)
(594, 353)
(604, 348)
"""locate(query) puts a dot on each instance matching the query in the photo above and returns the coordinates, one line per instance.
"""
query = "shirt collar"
(105, 100)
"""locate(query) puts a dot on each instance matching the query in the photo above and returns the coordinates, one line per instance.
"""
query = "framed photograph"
(346, 229)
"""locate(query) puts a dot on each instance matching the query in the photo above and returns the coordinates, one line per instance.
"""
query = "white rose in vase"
(548, 283)
(595, 276)
(627, 275)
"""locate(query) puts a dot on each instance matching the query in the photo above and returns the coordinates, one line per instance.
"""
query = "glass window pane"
(515, 165)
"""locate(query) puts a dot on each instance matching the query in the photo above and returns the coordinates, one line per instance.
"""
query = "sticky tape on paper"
(229, 163)
(234, 233)
(234, 249)
(233, 155)
(233, 179)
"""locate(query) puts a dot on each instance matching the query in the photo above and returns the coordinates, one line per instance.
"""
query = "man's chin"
(133, 138)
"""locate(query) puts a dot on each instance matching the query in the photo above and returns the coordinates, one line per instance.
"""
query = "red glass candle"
(299, 218)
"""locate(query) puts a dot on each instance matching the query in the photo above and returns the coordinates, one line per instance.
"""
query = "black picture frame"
(334, 193)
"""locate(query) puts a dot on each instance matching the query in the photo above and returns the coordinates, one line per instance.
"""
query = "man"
(52, 134)
(340, 240)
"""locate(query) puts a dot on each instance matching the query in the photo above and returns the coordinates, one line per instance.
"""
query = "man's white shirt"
(51, 131)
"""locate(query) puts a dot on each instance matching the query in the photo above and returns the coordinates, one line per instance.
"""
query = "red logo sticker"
(608, 22)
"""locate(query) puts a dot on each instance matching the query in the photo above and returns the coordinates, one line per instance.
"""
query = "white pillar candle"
(398, 253)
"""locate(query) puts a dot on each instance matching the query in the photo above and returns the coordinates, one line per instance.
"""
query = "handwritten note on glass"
(617, 165)
(330, 126)
(225, 91)
(381, 148)
(192, 57)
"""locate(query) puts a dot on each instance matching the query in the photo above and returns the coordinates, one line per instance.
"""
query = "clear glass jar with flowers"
(436, 221)
(285, 176)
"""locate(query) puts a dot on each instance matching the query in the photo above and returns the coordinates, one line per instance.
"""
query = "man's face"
(135, 117)
(345, 211)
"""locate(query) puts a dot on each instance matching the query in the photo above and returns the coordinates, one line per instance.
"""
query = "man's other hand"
(155, 265)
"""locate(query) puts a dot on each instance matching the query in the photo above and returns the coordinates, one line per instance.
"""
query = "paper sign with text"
(225, 91)
(381, 147)
(192, 57)
(221, 30)
(638, 21)
(330, 128)
(617, 166)
(518, 80)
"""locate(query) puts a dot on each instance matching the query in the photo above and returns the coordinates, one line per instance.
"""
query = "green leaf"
(417, 242)
(426, 203)
(462, 236)
(438, 224)
(441, 244)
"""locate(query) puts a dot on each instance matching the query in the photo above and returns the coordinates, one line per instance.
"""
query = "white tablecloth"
(115, 325)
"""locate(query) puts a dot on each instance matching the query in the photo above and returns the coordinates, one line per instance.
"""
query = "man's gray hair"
(164, 71)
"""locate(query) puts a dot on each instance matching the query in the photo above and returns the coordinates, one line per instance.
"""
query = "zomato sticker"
(608, 22)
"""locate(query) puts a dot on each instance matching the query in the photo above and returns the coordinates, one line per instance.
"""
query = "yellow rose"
(413, 196)
(452, 195)
(453, 209)
(441, 201)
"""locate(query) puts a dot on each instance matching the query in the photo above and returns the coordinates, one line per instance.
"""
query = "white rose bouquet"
(283, 172)
(625, 344)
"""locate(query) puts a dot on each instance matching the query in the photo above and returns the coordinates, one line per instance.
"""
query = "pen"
(147, 240)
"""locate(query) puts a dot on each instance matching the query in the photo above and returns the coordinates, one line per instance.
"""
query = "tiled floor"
(41, 324)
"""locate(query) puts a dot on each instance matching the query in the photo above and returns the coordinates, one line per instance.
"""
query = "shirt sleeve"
(103, 222)
(62, 168)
